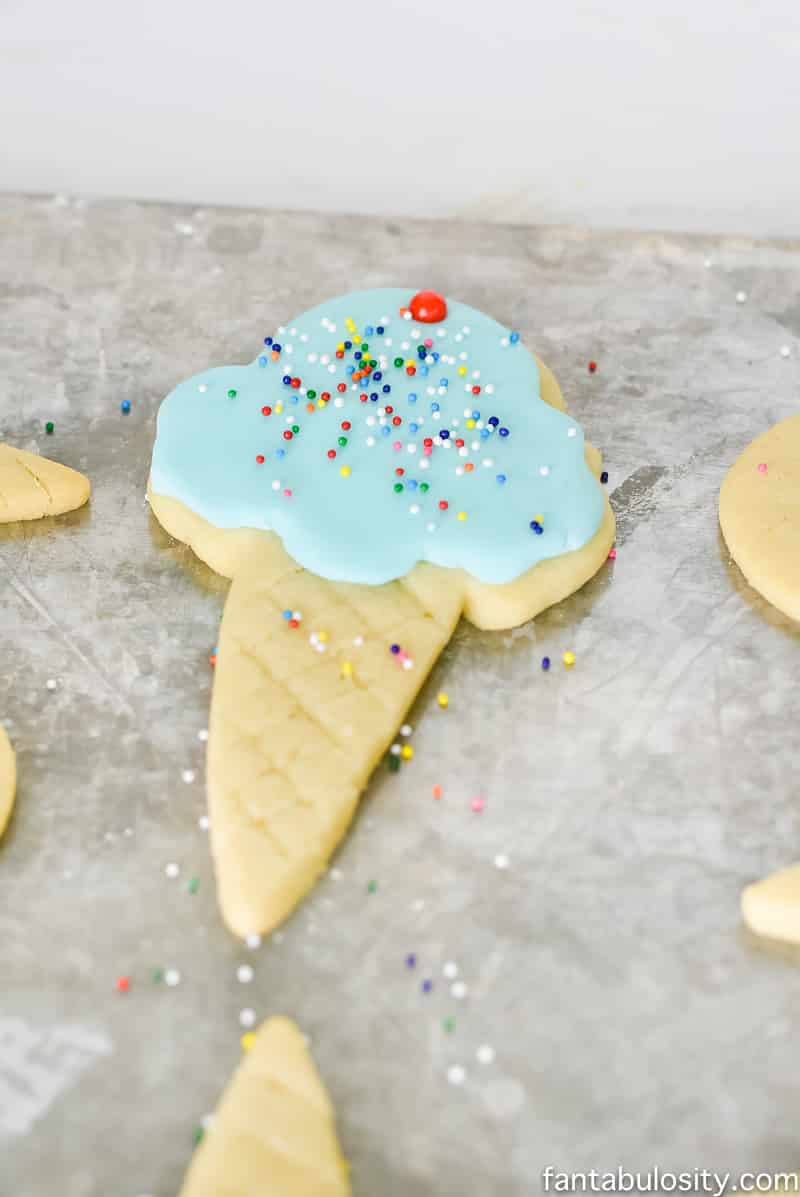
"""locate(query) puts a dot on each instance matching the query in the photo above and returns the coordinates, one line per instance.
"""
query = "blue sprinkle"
(604, 476)
(501, 478)
(125, 406)
(537, 527)
(369, 330)
(411, 484)
(514, 338)
(503, 432)
(380, 330)
(385, 431)
(350, 370)
(434, 407)
(348, 344)
(395, 648)
(280, 452)
(423, 371)
(436, 356)
(276, 347)
(267, 340)
(386, 389)
(262, 361)
(287, 614)
(294, 399)
(411, 961)
(422, 352)
(427, 986)
(484, 433)
(545, 663)
(373, 396)
(476, 415)
(357, 355)
(286, 380)
(493, 420)
(377, 376)
(443, 382)
(412, 398)
(444, 434)
(413, 427)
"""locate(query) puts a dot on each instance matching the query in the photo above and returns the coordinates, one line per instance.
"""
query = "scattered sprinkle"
(442, 699)
(49, 427)
(568, 659)
(245, 974)
(485, 1054)
(437, 792)
(762, 467)
(247, 1040)
(193, 884)
(51, 683)
(592, 367)
(501, 861)
(172, 977)
(545, 663)
(172, 869)
(477, 805)
(371, 887)
(252, 941)
(188, 776)
(247, 1017)
(123, 984)
(456, 1075)
(741, 297)
(450, 970)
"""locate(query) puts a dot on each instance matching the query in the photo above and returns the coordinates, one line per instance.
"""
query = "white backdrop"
(645, 113)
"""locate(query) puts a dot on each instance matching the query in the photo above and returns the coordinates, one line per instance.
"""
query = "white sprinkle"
(485, 1054)
(395, 749)
(741, 296)
(425, 464)
(127, 831)
(406, 729)
(406, 315)
(276, 485)
(203, 734)
(707, 263)
(458, 337)
(51, 683)
(450, 970)
(358, 641)
(418, 904)
(370, 441)
(544, 471)
(335, 874)
(204, 823)
(312, 357)
(572, 432)
(459, 471)
(288, 349)
(476, 373)
(252, 941)
(458, 989)
(245, 974)
(172, 870)
(338, 401)
(488, 462)
(207, 1121)
(456, 1075)
(282, 329)
(440, 332)
(414, 509)
(504, 342)
(430, 527)
(172, 977)
(415, 334)
(462, 357)
(331, 369)
(247, 1017)
(411, 447)
(785, 351)
(202, 388)
(188, 776)
(501, 860)
(466, 330)
(408, 664)
(489, 388)
(304, 337)
(184, 228)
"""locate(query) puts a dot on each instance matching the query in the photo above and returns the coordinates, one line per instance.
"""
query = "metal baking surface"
(633, 1022)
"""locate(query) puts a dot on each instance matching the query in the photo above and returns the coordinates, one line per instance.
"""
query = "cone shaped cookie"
(8, 779)
(273, 1134)
(772, 907)
(358, 523)
(32, 486)
(759, 512)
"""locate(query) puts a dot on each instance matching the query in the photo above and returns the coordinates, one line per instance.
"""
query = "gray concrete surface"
(634, 1022)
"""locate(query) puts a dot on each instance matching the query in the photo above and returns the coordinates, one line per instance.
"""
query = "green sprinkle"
(398, 361)
(295, 429)
(231, 394)
(342, 441)
(372, 363)
(311, 394)
(158, 976)
(197, 1136)
(423, 486)
(49, 427)
(394, 764)
(398, 486)
(449, 1025)
(363, 346)
(193, 884)
(371, 887)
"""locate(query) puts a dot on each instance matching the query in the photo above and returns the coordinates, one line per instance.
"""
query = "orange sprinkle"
(469, 467)
(309, 407)
(437, 791)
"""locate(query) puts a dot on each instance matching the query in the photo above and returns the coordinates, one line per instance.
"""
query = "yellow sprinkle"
(462, 370)
(340, 346)
(320, 403)
(406, 752)
(410, 362)
(279, 408)
(462, 515)
(539, 519)
(442, 699)
(322, 637)
(470, 423)
(347, 668)
(351, 324)
(568, 659)
(345, 471)
(247, 1040)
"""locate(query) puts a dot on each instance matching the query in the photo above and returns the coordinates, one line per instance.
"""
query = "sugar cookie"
(32, 486)
(759, 512)
(366, 481)
(8, 778)
(273, 1134)
(772, 907)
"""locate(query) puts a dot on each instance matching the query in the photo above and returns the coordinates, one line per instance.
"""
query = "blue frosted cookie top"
(369, 440)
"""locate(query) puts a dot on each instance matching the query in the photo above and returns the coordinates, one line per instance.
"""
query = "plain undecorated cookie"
(8, 779)
(759, 512)
(32, 487)
(273, 1133)
(772, 907)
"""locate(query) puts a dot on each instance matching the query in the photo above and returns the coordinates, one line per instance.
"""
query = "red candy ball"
(428, 307)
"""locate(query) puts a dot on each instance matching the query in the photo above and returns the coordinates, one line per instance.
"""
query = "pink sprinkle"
(427, 450)
(288, 494)
(477, 805)
(612, 554)
(428, 343)
(397, 446)
(762, 467)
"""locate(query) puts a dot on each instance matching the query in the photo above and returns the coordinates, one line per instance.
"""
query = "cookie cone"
(273, 1134)
(32, 486)
(301, 715)
(8, 778)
